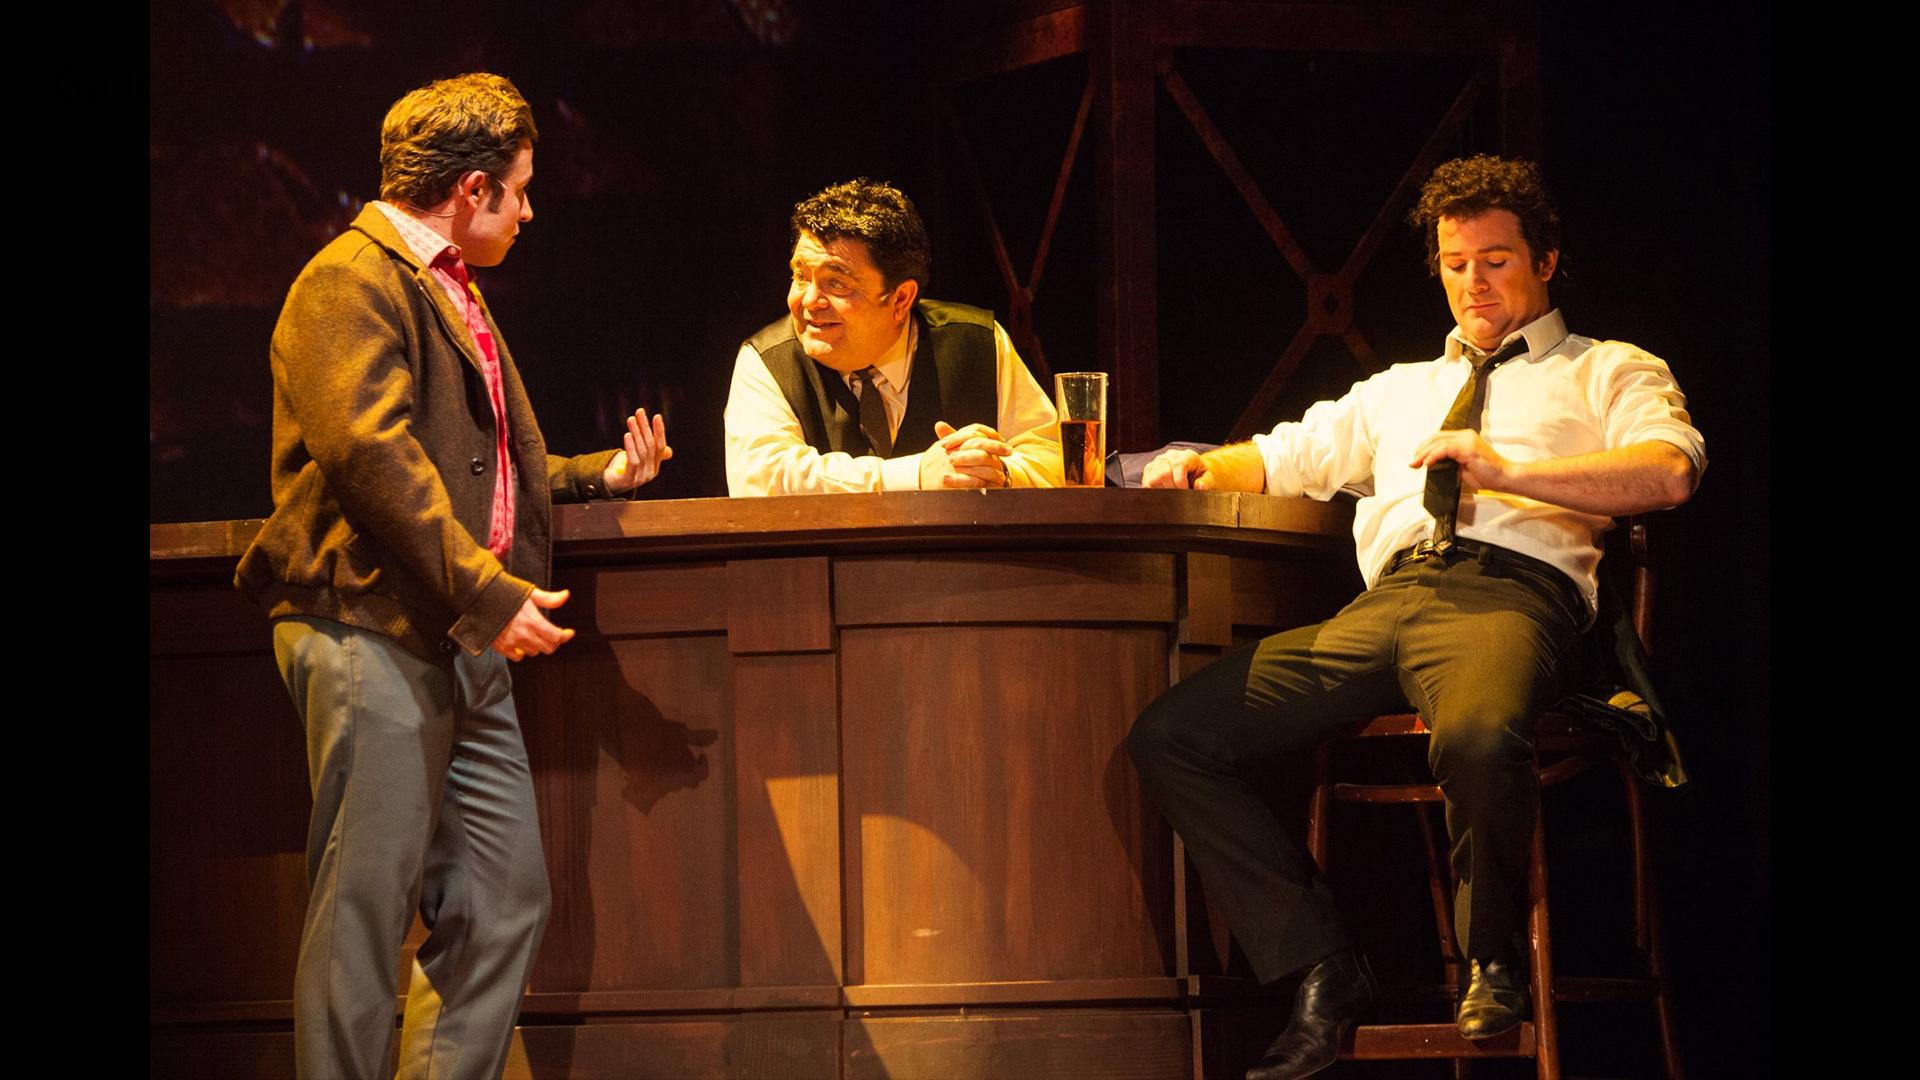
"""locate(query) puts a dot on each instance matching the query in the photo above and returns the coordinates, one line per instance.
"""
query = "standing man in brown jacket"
(401, 567)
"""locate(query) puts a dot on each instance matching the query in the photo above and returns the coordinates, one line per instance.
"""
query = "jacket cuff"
(584, 477)
(499, 600)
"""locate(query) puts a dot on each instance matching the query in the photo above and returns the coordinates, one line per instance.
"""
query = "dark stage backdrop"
(676, 135)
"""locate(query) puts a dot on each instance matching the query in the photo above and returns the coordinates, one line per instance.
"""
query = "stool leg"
(1646, 920)
(1320, 804)
(1440, 884)
(1546, 1027)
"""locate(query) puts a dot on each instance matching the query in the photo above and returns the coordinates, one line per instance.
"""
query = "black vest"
(952, 379)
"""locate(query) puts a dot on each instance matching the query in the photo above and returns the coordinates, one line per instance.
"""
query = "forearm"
(1635, 479)
(1234, 467)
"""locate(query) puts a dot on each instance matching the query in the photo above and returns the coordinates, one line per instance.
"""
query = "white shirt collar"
(1543, 335)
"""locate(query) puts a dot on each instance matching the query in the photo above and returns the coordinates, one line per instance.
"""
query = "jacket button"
(478, 466)
(446, 646)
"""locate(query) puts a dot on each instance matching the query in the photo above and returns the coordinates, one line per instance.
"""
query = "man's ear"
(472, 186)
(903, 298)
(1547, 264)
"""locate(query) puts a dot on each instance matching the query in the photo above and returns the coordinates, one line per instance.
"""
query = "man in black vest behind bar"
(865, 386)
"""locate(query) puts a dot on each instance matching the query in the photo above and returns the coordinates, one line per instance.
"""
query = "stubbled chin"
(1480, 329)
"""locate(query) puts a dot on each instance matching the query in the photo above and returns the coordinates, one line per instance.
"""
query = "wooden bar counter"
(830, 786)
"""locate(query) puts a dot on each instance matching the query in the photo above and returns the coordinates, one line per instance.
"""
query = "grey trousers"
(1476, 647)
(422, 801)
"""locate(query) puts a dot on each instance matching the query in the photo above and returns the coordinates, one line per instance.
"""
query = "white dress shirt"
(1566, 395)
(768, 454)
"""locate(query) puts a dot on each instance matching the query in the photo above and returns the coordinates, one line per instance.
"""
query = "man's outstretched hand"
(645, 450)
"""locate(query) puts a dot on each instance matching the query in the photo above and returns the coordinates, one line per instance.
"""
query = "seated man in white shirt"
(864, 386)
(1494, 470)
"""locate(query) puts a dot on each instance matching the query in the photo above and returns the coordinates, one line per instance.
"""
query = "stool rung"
(1384, 1042)
(1388, 793)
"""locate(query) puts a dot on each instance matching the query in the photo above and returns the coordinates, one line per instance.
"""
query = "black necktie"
(1443, 477)
(873, 413)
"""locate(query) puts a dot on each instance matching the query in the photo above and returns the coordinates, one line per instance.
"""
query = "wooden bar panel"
(632, 753)
(713, 1000)
(1060, 1046)
(188, 1054)
(1014, 587)
(807, 758)
(227, 828)
(744, 1048)
(1270, 595)
(201, 621)
(779, 605)
(1206, 610)
(1325, 526)
(787, 812)
(655, 600)
(1001, 832)
(1027, 992)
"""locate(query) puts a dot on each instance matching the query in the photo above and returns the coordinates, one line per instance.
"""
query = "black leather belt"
(1472, 549)
(1550, 575)
(1427, 549)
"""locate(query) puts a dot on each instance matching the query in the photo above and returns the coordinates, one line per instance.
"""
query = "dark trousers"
(1477, 646)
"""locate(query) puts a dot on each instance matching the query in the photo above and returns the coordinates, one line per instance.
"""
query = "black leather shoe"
(1330, 1000)
(1496, 999)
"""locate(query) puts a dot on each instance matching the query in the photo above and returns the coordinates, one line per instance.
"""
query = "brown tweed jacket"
(383, 458)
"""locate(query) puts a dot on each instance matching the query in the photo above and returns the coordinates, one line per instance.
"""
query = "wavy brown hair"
(446, 129)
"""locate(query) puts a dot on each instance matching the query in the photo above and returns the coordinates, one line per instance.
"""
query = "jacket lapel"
(375, 224)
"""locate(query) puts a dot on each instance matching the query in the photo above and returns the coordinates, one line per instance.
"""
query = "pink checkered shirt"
(443, 259)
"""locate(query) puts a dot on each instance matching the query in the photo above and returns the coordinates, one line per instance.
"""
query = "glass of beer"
(1081, 397)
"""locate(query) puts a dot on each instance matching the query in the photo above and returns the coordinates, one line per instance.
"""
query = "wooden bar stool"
(1563, 749)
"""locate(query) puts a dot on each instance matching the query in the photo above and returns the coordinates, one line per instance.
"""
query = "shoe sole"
(1494, 1034)
(1346, 1030)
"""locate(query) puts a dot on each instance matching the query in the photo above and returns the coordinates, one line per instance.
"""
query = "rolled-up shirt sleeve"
(1028, 422)
(1326, 450)
(768, 454)
(1638, 401)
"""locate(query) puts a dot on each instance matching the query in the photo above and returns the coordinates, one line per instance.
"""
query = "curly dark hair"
(446, 129)
(1465, 187)
(878, 215)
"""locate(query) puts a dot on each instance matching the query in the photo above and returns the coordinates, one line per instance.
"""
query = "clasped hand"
(970, 457)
